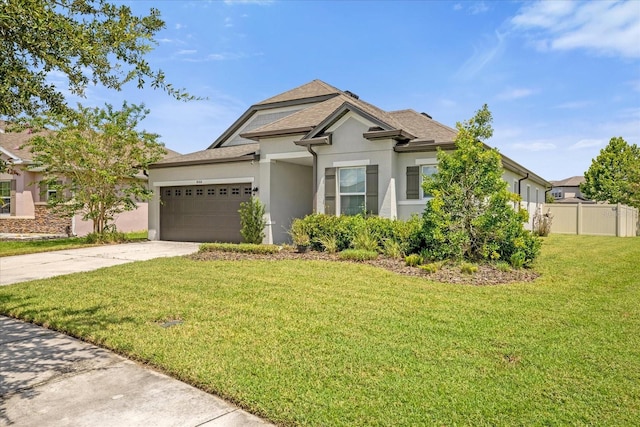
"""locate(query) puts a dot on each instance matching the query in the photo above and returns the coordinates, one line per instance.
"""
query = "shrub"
(503, 266)
(357, 255)
(252, 220)
(517, 259)
(106, 237)
(298, 233)
(468, 268)
(430, 268)
(413, 260)
(249, 248)
(392, 249)
(365, 240)
(329, 244)
(542, 223)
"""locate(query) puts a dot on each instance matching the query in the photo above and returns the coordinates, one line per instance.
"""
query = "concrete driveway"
(22, 268)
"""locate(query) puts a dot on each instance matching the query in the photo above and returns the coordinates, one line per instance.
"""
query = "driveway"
(22, 268)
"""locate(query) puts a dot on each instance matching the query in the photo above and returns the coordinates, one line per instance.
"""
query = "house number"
(198, 181)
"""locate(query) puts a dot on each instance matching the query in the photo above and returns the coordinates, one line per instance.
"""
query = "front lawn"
(326, 343)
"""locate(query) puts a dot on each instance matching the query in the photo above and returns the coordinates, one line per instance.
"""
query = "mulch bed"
(486, 274)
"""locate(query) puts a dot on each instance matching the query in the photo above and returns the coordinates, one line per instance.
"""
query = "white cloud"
(227, 22)
(483, 55)
(457, 6)
(478, 7)
(180, 26)
(573, 105)
(635, 85)
(587, 143)
(186, 52)
(603, 27)
(516, 93)
(541, 145)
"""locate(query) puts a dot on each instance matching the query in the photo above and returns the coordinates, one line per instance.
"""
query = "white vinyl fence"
(596, 219)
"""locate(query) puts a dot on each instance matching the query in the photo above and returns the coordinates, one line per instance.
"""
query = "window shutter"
(372, 190)
(413, 182)
(330, 191)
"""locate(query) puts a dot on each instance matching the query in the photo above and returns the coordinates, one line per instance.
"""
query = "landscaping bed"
(449, 273)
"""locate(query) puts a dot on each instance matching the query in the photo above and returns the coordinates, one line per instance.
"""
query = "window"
(5, 197)
(167, 192)
(198, 191)
(515, 186)
(187, 192)
(247, 191)
(178, 192)
(352, 190)
(222, 192)
(211, 192)
(235, 191)
(427, 170)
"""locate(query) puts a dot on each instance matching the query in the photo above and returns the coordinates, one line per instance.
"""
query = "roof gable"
(314, 88)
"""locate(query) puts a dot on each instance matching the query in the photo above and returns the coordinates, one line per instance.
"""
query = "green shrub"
(503, 266)
(365, 240)
(106, 237)
(252, 220)
(298, 233)
(249, 248)
(430, 268)
(392, 249)
(329, 244)
(357, 255)
(468, 268)
(413, 260)
(517, 259)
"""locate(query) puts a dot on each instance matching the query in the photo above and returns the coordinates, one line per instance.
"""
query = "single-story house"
(314, 148)
(23, 195)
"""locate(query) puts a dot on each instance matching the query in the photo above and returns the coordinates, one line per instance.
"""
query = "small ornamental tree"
(252, 221)
(471, 214)
(614, 175)
(94, 160)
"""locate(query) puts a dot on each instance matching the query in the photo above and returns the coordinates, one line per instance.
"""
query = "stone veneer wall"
(44, 221)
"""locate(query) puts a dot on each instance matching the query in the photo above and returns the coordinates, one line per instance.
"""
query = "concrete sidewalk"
(22, 268)
(47, 378)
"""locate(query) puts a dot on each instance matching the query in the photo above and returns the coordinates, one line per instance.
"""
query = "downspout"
(315, 178)
(520, 188)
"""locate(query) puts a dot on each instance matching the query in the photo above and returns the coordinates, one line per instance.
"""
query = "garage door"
(202, 213)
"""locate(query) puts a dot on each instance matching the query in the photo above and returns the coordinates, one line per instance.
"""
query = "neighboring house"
(314, 148)
(568, 190)
(23, 199)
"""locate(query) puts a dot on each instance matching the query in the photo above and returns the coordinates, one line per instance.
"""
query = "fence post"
(579, 219)
(618, 220)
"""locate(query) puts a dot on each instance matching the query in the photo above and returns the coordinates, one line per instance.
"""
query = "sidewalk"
(47, 378)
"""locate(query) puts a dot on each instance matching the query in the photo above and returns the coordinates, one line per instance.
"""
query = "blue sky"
(561, 78)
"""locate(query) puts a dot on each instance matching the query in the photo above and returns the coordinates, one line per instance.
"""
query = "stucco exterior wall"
(407, 207)
(245, 171)
(291, 197)
(350, 149)
(135, 220)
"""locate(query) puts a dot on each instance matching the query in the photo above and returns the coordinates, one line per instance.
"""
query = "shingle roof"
(12, 142)
(423, 127)
(211, 155)
(309, 90)
(573, 181)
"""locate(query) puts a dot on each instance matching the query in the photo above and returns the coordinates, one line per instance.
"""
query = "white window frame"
(422, 174)
(339, 194)
(6, 199)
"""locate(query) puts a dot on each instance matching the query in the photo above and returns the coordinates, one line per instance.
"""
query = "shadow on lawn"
(32, 356)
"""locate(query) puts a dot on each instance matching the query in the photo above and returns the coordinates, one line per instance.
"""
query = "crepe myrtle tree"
(83, 41)
(94, 161)
(471, 214)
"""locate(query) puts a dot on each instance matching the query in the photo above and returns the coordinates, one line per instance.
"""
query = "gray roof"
(312, 89)
(212, 155)
(424, 127)
(573, 181)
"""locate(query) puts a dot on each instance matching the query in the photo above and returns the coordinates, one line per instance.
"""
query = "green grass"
(22, 247)
(322, 343)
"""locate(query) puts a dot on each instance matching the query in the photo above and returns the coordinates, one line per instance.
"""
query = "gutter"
(520, 185)
(309, 143)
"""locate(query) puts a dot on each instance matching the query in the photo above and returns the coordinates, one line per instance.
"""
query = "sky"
(560, 78)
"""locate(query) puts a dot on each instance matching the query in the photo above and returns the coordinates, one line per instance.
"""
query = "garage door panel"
(202, 213)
